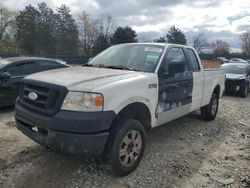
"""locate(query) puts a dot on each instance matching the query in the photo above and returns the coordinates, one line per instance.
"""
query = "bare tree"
(90, 29)
(6, 20)
(106, 25)
(220, 48)
(87, 32)
(199, 41)
(7, 31)
(245, 38)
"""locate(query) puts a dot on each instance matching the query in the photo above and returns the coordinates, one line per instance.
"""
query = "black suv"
(237, 78)
(13, 70)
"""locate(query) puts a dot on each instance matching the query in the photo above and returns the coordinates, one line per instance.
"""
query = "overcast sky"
(218, 19)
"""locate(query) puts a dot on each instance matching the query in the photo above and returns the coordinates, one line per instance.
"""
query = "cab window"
(193, 63)
(174, 54)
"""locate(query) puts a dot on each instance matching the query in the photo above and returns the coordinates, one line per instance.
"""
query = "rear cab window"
(193, 63)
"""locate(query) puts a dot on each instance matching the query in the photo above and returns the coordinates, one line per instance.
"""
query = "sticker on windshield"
(153, 49)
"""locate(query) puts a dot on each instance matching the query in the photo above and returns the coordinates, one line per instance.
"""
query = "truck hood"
(82, 78)
(235, 76)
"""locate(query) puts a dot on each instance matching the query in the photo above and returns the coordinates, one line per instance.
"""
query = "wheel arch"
(217, 90)
(138, 111)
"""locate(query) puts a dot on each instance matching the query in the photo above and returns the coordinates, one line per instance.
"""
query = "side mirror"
(5, 76)
(176, 67)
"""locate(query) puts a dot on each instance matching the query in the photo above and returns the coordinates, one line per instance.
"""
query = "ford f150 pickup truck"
(105, 107)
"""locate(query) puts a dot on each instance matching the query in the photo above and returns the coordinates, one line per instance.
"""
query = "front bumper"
(234, 86)
(71, 132)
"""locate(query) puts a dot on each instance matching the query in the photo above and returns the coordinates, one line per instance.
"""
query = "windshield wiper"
(121, 67)
(95, 65)
(88, 65)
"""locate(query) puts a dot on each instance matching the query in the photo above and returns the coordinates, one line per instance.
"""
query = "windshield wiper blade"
(119, 67)
(95, 65)
(88, 65)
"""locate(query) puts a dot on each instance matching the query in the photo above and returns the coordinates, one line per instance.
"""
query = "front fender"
(119, 107)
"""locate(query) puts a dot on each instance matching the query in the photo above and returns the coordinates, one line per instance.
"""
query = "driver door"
(175, 89)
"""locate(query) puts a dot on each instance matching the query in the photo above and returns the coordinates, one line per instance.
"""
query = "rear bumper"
(71, 132)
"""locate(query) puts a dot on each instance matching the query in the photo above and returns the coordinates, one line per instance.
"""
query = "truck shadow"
(175, 149)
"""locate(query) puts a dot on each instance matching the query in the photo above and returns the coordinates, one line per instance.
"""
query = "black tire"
(209, 111)
(120, 130)
(244, 91)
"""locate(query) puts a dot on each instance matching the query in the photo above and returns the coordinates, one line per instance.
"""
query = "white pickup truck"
(105, 107)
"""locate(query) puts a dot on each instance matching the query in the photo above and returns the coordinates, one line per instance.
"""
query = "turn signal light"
(99, 100)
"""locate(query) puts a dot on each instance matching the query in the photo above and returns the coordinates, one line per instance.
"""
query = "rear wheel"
(209, 112)
(127, 146)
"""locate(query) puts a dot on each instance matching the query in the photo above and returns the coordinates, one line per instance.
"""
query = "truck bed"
(212, 77)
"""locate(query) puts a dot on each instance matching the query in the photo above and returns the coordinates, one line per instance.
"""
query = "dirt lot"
(186, 153)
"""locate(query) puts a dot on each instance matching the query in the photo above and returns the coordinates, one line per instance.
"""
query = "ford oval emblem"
(33, 96)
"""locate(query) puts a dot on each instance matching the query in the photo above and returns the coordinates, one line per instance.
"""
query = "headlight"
(80, 101)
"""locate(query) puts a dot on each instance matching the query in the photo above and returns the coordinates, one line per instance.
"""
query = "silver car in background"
(237, 60)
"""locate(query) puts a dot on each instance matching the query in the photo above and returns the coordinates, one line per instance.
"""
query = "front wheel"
(244, 91)
(127, 146)
(209, 112)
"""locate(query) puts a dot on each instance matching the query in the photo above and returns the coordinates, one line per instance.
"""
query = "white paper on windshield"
(153, 49)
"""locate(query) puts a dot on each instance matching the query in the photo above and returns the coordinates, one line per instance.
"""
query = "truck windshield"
(235, 69)
(130, 56)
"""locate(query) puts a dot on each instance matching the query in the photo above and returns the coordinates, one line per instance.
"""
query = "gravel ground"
(187, 152)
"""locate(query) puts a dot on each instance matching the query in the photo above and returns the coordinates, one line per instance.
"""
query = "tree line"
(42, 31)
(199, 42)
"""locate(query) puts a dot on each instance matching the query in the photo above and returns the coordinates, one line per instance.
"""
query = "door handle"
(150, 86)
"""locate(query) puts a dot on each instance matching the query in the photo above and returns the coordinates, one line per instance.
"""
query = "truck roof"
(164, 44)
